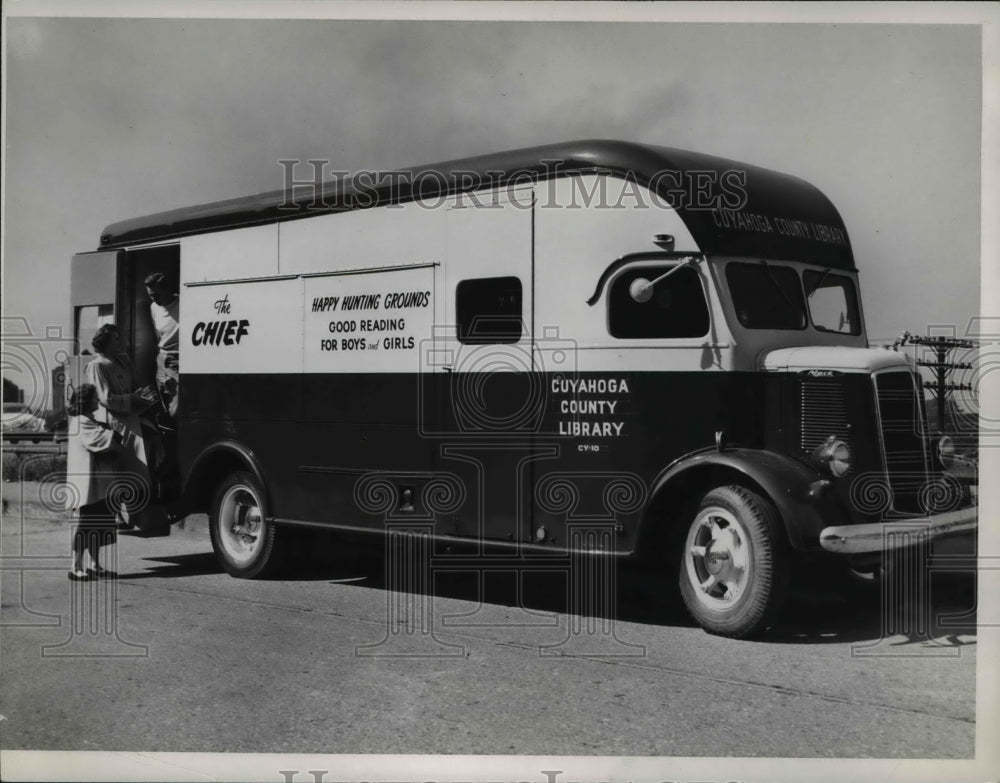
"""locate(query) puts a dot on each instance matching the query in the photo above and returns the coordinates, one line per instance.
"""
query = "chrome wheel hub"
(240, 523)
(717, 561)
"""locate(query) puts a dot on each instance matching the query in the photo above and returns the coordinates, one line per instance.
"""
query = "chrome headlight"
(946, 452)
(833, 455)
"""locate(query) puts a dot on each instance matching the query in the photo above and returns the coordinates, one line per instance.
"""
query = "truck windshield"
(766, 296)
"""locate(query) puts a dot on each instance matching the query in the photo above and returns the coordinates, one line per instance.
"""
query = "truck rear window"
(766, 296)
(677, 307)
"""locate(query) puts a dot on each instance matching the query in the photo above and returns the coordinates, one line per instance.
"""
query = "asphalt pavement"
(175, 655)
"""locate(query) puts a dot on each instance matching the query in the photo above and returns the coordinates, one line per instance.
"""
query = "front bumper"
(896, 534)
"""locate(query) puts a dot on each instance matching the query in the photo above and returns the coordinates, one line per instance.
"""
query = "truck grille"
(902, 442)
(823, 413)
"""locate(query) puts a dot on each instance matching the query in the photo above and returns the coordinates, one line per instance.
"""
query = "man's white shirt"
(165, 322)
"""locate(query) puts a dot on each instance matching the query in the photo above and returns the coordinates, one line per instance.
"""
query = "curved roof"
(730, 208)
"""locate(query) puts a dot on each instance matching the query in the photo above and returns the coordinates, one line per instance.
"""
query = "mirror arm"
(684, 262)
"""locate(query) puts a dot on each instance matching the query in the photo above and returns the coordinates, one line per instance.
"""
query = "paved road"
(194, 660)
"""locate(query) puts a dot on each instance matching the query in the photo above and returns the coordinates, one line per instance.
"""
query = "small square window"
(488, 310)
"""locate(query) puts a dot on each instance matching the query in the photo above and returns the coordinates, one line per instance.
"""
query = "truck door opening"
(134, 320)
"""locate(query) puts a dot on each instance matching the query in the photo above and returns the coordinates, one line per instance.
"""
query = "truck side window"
(833, 304)
(677, 307)
(488, 310)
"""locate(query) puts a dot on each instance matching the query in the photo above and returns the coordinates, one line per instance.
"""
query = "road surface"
(331, 660)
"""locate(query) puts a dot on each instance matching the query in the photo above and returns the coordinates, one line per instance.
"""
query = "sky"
(108, 119)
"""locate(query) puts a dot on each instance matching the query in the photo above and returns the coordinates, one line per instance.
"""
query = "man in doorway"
(164, 310)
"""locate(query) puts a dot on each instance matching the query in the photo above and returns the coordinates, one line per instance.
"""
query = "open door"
(93, 303)
(93, 285)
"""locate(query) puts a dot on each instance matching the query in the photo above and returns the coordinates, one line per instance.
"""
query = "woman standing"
(91, 472)
(112, 376)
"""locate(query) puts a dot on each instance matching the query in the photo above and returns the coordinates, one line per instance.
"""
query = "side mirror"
(641, 290)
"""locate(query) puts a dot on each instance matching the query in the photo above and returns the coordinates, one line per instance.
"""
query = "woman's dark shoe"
(101, 573)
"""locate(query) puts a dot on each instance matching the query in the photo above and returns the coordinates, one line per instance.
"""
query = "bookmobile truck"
(523, 348)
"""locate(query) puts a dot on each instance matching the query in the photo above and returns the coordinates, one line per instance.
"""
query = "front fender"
(795, 489)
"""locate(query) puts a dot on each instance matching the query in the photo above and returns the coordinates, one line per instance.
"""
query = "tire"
(246, 544)
(733, 563)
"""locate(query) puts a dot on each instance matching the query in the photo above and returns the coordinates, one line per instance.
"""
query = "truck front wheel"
(734, 563)
(245, 541)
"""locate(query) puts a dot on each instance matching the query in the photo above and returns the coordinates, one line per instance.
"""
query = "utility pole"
(941, 346)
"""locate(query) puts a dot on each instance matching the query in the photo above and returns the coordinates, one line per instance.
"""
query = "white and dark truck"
(663, 346)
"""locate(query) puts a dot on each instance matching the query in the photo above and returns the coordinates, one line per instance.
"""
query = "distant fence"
(33, 443)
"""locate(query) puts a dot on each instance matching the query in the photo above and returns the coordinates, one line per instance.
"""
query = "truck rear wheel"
(733, 563)
(245, 542)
